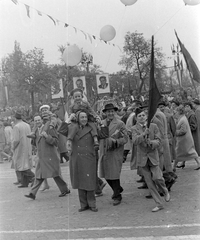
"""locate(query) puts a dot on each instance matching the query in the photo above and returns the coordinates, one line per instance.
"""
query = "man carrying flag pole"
(146, 138)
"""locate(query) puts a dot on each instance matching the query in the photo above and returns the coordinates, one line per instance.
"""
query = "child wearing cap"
(80, 104)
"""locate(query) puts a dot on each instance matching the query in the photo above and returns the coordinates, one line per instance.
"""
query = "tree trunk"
(32, 102)
(141, 85)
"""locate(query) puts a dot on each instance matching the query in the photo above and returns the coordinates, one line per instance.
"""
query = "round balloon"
(128, 2)
(107, 33)
(72, 55)
(191, 2)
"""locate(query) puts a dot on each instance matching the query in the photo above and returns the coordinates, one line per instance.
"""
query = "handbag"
(63, 129)
(103, 132)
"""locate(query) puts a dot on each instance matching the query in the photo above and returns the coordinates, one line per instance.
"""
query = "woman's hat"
(109, 106)
(76, 90)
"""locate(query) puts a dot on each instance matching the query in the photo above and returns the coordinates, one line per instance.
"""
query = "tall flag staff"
(154, 94)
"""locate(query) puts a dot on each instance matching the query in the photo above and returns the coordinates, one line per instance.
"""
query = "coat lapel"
(83, 131)
(112, 126)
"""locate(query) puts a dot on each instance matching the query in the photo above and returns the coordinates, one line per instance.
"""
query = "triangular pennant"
(93, 36)
(27, 10)
(84, 34)
(105, 41)
(15, 1)
(66, 25)
(90, 38)
(39, 13)
(52, 19)
(75, 29)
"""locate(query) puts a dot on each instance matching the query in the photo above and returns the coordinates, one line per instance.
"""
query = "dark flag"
(191, 65)
(154, 94)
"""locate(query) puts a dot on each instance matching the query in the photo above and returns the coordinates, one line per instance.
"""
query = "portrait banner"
(57, 93)
(103, 83)
(79, 82)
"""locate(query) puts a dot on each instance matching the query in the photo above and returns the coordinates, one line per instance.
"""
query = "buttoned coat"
(48, 165)
(110, 161)
(142, 150)
(83, 162)
(185, 149)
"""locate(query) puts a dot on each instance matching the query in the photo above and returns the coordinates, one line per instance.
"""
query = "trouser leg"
(36, 185)
(27, 177)
(158, 179)
(83, 198)
(62, 185)
(91, 200)
(117, 189)
(151, 185)
(19, 176)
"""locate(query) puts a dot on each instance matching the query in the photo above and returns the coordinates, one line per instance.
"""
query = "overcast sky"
(145, 16)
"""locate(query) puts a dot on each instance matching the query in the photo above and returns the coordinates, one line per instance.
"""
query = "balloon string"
(115, 38)
(168, 20)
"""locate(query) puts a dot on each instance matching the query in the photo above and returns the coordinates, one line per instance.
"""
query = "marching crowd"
(97, 145)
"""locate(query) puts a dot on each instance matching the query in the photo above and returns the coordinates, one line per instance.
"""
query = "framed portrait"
(103, 83)
(57, 92)
(79, 82)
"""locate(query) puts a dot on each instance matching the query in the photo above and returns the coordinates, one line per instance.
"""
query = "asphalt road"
(51, 217)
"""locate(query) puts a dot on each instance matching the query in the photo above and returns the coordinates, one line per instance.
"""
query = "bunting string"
(56, 22)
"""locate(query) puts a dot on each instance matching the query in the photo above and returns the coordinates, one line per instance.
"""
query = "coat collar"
(83, 131)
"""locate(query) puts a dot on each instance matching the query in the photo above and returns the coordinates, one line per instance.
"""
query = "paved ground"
(51, 217)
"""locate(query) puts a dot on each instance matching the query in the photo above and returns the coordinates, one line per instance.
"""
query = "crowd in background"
(177, 122)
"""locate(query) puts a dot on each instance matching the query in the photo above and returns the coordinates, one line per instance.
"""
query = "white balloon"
(107, 33)
(191, 2)
(128, 2)
(72, 55)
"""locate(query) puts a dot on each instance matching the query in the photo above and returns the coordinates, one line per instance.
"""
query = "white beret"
(44, 106)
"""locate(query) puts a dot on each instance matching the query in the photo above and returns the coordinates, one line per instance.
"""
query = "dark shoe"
(116, 202)
(197, 168)
(94, 209)
(22, 186)
(141, 180)
(181, 166)
(16, 183)
(149, 196)
(64, 193)
(121, 190)
(102, 186)
(30, 196)
(83, 209)
(144, 186)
